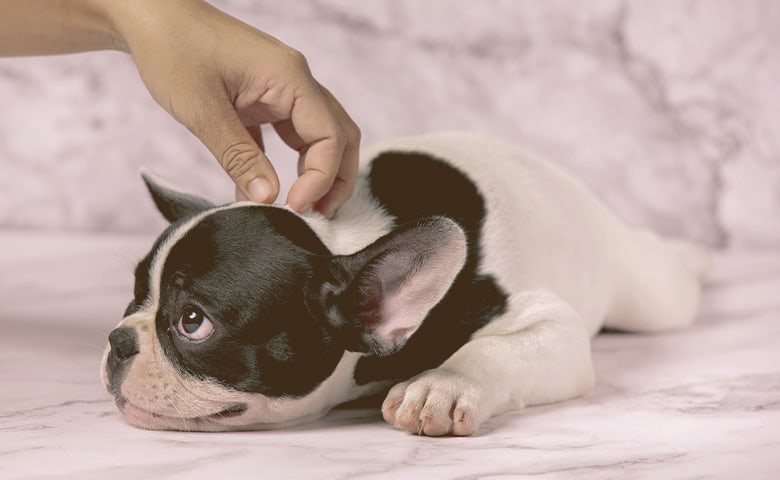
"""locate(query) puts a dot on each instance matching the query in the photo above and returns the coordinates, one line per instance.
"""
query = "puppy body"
(467, 274)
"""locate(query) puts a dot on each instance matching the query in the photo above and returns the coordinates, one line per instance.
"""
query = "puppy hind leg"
(696, 257)
(659, 285)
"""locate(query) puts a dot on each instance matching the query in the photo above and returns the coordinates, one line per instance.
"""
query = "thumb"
(237, 150)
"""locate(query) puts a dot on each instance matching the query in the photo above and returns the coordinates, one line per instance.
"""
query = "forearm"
(48, 27)
(44, 27)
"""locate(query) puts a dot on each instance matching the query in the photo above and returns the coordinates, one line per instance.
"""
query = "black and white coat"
(465, 275)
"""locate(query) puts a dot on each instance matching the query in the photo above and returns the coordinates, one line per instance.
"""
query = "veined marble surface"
(668, 108)
(702, 403)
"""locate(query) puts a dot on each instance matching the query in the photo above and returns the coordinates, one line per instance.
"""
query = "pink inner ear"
(400, 278)
(404, 309)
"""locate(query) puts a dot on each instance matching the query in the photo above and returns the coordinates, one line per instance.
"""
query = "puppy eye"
(194, 325)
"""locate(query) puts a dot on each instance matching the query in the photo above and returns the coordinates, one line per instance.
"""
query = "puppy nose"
(123, 342)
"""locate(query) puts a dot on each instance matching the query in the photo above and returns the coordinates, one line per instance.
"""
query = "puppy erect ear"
(172, 202)
(392, 284)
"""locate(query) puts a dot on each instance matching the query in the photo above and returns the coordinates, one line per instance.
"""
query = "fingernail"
(259, 190)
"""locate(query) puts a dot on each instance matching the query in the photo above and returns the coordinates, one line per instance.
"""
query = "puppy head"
(242, 319)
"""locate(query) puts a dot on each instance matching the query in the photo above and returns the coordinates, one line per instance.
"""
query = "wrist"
(132, 21)
(115, 17)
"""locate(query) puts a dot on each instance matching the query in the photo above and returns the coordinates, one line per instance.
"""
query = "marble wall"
(669, 109)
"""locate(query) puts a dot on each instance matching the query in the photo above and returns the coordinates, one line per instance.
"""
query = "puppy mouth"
(234, 410)
(142, 418)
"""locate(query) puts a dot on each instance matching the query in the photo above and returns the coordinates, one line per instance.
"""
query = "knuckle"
(346, 135)
(340, 136)
(238, 159)
(353, 133)
(297, 58)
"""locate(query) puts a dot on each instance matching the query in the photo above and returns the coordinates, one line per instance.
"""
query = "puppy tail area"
(659, 285)
(696, 257)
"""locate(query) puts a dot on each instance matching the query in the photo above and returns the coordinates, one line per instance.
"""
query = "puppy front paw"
(436, 402)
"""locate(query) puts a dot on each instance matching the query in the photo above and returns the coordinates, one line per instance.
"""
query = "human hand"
(222, 79)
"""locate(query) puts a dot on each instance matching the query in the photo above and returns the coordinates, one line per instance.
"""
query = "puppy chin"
(227, 420)
(216, 422)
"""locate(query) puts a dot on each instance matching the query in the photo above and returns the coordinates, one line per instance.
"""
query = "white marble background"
(670, 108)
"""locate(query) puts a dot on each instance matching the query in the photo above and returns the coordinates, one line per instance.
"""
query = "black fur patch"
(411, 186)
(249, 270)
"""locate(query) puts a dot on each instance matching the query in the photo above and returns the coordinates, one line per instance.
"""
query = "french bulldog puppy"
(464, 275)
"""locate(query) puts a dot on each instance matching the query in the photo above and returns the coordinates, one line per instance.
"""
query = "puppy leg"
(659, 284)
(541, 356)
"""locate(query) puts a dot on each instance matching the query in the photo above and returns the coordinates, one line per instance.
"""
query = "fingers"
(237, 148)
(344, 183)
(329, 142)
(257, 135)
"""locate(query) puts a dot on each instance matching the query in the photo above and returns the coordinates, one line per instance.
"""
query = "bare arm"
(44, 27)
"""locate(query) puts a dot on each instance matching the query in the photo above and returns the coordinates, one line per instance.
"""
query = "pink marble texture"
(669, 109)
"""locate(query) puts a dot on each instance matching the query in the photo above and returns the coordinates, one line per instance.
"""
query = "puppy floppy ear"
(171, 201)
(387, 289)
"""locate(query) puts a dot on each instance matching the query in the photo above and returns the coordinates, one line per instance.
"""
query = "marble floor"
(704, 403)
